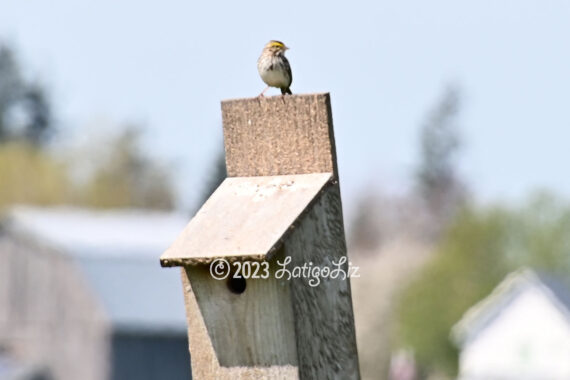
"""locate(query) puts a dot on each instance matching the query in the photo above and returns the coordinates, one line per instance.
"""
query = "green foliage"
(121, 176)
(125, 177)
(478, 250)
(29, 175)
(540, 235)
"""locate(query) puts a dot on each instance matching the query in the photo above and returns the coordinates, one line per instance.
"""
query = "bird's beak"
(286, 47)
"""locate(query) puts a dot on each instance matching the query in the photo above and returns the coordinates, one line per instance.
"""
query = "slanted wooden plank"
(246, 217)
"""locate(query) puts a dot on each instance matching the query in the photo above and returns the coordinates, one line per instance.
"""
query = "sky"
(168, 64)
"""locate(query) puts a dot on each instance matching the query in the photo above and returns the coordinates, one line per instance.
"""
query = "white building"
(520, 331)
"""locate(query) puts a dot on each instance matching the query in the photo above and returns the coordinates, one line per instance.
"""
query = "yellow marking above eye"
(277, 44)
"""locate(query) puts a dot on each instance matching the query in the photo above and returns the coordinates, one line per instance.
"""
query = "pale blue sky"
(169, 63)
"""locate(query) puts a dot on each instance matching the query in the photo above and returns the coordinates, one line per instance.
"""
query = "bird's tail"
(286, 91)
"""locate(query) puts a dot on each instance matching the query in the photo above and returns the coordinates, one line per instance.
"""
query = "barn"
(83, 296)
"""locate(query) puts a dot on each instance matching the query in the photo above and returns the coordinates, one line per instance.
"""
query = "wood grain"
(228, 342)
(277, 328)
(324, 321)
(279, 135)
(246, 217)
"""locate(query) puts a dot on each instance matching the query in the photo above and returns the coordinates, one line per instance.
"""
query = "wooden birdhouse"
(264, 265)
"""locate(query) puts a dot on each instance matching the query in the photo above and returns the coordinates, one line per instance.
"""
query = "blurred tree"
(539, 235)
(10, 86)
(38, 124)
(29, 175)
(437, 181)
(216, 176)
(477, 251)
(25, 112)
(438, 193)
(366, 228)
(120, 176)
(124, 177)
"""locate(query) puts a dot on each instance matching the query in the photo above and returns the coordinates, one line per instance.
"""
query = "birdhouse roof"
(246, 217)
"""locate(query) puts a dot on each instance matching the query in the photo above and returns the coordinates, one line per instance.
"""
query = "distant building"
(520, 331)
(83, 296)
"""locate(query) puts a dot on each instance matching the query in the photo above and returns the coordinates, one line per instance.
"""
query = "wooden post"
(281, 200)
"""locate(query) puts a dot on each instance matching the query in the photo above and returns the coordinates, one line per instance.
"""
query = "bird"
(274, 68)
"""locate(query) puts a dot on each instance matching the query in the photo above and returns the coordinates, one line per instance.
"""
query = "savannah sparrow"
(274, 68)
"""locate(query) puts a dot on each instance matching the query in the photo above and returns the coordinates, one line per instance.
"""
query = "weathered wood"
(246, 217)
(324, 321)
(278, 328)
(279, 135)
(47, 312)
(239, 336)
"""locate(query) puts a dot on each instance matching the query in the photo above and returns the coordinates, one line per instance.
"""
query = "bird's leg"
(284, 92)
(263, 92)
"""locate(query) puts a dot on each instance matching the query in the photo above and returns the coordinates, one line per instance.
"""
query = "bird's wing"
(288, 70)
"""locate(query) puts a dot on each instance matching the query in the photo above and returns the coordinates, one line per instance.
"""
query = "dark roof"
(558, 285)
